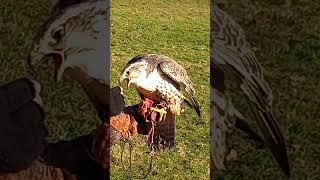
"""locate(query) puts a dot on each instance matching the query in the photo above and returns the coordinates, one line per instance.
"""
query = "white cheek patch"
(149, 82)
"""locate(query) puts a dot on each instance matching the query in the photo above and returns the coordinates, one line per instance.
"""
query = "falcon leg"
(161, 111)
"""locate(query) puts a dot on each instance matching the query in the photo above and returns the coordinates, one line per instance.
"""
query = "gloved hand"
(22, 130)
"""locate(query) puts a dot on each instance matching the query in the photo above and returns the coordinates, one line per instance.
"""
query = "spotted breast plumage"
(233, 59)
(162, 80)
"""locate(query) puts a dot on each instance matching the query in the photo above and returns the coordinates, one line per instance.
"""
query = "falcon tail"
(274, 139)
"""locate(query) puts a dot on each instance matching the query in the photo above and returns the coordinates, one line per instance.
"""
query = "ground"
(178, 29)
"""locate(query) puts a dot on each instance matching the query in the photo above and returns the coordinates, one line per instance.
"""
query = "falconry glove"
(22, 130)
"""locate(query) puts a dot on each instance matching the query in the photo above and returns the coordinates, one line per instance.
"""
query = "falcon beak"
(129, 83)
(57, 60)
(122, 79)
(36, 55)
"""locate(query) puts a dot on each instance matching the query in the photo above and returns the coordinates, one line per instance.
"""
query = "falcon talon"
(161, 111)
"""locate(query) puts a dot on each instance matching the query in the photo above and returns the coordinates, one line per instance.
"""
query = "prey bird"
(161, 80)
(75, 37)
(232, 59)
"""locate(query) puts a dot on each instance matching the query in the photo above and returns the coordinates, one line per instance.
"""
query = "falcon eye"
(57, 35)
(127, 73)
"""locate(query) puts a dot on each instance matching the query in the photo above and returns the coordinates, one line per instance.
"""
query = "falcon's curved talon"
(161, 111)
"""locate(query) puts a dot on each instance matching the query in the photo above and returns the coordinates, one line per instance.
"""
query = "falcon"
(75, 37)
(161, 80)
(233, 59)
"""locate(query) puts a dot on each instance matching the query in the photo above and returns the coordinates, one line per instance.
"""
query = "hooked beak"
(122, 80)
(36, 55)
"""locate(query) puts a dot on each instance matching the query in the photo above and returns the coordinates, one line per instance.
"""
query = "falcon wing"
(231, 52)
(179, 75)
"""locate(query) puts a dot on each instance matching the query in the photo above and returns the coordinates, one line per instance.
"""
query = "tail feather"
(188, 103)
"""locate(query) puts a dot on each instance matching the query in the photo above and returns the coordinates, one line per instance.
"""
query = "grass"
(285, 38)
(179, 29)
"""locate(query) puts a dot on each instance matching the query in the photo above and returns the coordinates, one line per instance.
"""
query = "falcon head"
(134, 72)
(74, 36)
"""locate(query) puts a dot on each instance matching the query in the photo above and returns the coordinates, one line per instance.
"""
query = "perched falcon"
(75, 36)
(162, 80)
(232, 58)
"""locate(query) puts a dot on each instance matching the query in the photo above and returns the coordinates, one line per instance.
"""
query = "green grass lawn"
(285, 38)
(179, 29)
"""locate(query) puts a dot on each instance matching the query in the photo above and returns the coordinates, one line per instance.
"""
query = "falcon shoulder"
(231, 52)
(231, 46)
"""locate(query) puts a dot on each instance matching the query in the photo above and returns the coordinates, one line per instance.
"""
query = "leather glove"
(22, 130)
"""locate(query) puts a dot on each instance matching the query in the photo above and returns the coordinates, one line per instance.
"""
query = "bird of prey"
(75, 36)
(162, 80)
(233, 59)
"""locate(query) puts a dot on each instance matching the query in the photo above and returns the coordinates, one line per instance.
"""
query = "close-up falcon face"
(134, 73)
(74, 36)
